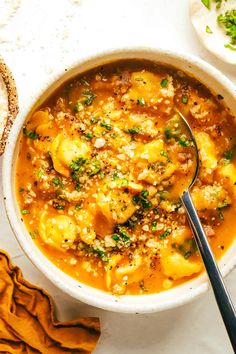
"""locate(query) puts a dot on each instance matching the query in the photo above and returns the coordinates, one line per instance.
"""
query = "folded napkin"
(27, 320)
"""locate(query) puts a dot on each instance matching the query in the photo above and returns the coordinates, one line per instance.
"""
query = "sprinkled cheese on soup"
(101, 167)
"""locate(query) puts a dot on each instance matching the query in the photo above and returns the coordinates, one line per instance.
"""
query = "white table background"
(39, 38)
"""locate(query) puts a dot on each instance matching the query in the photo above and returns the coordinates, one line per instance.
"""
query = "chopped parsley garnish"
(95, 167)
(115, 175)
(229, 154)
(121, 233)
(220, 97)
(183, 141)
(77, 164)
(154, 225)
(165, 234)
(115, 237)
(173, 128)
(39, 173)
(144, 193)
(25, 212)
(89, 136)
(102, 254)
(57, 182)
(164, 153)
(59, 207)
(89, 97)
(141, 199)
(21, 190)
(94, 120)
(218, 4)
(228, 20)
(155, 211)
(164, 82)
(229, 46)
(30, 134)
(187, 249)
(78, 106)
(207, 3)
(106, 126)
(168, 133)
(78, 206)
(208, 30)
(141, 101)
(184, 99)
(133, 130)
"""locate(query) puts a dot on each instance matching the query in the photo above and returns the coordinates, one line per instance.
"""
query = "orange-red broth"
(102, 164)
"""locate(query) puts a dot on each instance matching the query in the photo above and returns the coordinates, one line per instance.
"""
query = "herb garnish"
(207, 3)
(141, 101)
(106, 126)
(30, 134)
(164, 82)
(77, 164)
(184, 99)
(102, 254)
(121, 234)
(141, 199)
(59, 207)
(165, 234)
(89, 97)
(89, 136)
(25, 212)
(208, 30)
(218, 4)
(183, 141)
(228, 20)
(188, 248)
(95, 167)
(229, 154)
(229, 46)
(154, 226)
(57, 182)
(133, 130)
(78, 106)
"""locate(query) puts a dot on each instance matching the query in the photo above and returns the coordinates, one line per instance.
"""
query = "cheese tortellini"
(116, 206)
(58, 231)
(64, 150)
(210, 197)
(148, 86)
(175, 266)
(207, 151)
(151, 152)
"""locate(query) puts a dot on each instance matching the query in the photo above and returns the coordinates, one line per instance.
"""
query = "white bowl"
(179, 295)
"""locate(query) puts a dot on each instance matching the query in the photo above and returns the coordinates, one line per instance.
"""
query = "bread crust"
(13, 107)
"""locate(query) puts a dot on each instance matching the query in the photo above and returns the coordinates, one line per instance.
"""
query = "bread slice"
(8, 103)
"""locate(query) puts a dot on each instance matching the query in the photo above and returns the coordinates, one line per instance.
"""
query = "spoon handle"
(221, 294)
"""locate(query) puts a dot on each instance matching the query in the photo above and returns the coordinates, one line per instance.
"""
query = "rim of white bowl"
(177, 296)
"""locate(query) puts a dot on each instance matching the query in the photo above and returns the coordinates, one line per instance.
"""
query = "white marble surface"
(38, 38)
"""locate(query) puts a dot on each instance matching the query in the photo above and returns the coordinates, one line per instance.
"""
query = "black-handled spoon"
(222, 297)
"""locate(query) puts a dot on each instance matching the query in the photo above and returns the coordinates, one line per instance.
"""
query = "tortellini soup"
(101, 167)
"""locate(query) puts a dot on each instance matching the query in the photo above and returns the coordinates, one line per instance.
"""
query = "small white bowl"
(179, 295)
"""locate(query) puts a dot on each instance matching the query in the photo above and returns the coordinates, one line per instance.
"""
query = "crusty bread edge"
(13, 107)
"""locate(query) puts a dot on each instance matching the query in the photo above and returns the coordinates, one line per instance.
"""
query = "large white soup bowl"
(179, 295)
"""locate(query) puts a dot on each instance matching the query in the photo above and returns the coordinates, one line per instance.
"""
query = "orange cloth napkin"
(27, 320)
